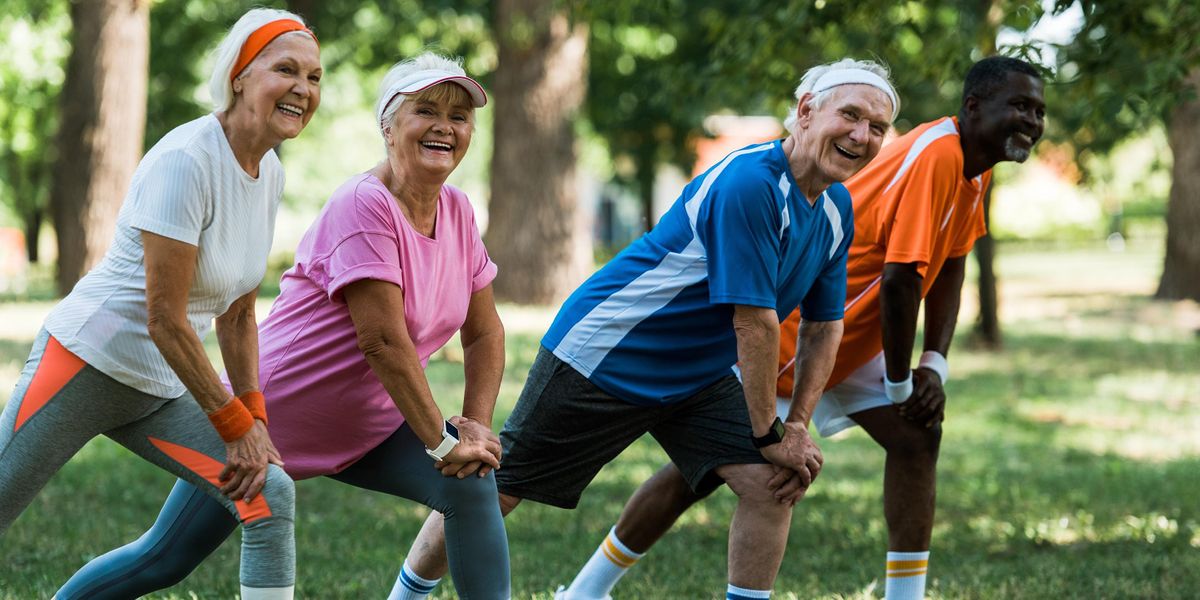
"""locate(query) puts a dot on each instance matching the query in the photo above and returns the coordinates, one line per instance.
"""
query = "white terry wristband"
(934, 361)
(898, 391)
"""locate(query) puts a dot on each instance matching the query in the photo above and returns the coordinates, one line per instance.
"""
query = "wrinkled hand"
(246, 460)
(797, 460)
(478, 450)
(927, 404)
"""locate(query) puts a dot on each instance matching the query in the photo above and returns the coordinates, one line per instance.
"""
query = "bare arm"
(816, 350)
(483, 357)
(941, 305)
(928, 403)
(377, 310)
(170, 269)
(237, 335)
(899, 304)
(757, 331)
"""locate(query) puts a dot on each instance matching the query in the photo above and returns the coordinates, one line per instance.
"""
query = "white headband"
(848, 76)
(420, 80)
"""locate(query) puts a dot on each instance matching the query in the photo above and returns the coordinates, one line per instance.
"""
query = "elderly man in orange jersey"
(918, 209)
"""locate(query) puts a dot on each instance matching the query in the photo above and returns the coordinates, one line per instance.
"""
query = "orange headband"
(259, 40)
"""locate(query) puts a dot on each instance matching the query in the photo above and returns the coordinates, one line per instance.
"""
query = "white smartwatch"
(449, 441)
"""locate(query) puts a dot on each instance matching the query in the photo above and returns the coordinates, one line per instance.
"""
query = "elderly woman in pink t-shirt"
(392, 268)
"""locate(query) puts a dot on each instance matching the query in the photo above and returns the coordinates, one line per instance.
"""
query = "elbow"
(161, 327)
(372, 344)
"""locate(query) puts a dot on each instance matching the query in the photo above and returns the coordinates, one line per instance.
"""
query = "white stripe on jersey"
(835, 222)
(592, 337)
(943, 129)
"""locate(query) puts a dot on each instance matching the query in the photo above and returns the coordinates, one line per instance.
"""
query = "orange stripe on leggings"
(210, 469)
(56, 368)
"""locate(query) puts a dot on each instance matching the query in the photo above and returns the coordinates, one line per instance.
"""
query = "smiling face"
(1006, 124)
(431, 131)
(842, 135)
(281, 89)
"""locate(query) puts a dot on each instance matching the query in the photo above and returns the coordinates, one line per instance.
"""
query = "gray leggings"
(191, 526)
(60, 404)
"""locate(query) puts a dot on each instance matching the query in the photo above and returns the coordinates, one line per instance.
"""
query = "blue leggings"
(192, 525)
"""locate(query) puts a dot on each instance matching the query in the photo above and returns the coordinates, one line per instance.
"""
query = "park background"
(1071, 459)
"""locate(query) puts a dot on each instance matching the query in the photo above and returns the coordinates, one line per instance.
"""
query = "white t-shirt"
(188, 187)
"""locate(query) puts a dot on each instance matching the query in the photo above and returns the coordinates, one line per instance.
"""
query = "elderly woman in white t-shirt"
(122, 354)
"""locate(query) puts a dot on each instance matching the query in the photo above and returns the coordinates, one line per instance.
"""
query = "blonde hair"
(443, 91)
(812, 75)
(220, 84)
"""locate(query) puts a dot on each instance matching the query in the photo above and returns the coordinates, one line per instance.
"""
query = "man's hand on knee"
(799, 454)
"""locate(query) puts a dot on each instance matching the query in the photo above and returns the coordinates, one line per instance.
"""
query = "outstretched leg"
(190, 527)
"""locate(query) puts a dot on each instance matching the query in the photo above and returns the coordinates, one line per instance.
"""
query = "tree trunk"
(103, 108)
(988, 326)
(537, 233)
(1181, 267)
(33, 230)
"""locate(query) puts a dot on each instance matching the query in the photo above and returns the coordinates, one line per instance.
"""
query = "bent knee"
(467, 493)
(915, 441)
(749, 482)
(279, 494)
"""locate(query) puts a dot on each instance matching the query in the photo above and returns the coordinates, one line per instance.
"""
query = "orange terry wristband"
(256, 403)
(231, 421)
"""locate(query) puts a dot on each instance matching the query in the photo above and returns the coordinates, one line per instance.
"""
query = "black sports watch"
(774, 435)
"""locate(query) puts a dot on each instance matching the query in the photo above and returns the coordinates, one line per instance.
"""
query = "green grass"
(1070, 469)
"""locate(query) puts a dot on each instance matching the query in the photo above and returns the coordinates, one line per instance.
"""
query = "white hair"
(220, 83)
(404, 68)
(812, 75)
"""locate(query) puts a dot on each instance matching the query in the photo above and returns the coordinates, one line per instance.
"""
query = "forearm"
(757, 331)
(185, 355)
(237, 335)
(942, 304)
(899, 304)
(398, 368)
(483, 363)
(816, 351)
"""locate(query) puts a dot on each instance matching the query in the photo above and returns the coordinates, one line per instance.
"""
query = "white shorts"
(862, 390)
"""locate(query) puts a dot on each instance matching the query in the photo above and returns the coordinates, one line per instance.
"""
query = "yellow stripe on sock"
(905, 573)
(907, 564)
(616, 556)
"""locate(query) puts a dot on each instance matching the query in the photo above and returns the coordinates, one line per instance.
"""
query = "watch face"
(451, 429)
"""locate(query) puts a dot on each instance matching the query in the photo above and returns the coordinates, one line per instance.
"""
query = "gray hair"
(812, 75)
(220, 84)
(402, 69)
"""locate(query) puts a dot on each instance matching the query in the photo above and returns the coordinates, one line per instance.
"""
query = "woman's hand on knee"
(246, 460)
(478, 450)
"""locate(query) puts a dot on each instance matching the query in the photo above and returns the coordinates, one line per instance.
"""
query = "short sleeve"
(355, 238)
(171, 200)
(921, 197)
(826, 299)
(973, 229)
(739, 225)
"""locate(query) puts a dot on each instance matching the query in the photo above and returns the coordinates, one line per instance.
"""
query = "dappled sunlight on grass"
(1068, 469)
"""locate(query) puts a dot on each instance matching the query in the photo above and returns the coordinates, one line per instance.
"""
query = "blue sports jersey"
(655, 325)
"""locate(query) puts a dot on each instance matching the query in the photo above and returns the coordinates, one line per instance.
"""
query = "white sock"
(906, 575)
(410, 586)
(603, 570)
(733, 592)
(273, 593)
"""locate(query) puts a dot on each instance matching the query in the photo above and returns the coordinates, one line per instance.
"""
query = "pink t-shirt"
(327, 408)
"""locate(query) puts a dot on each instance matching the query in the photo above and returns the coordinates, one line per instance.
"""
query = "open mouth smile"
(290, 110)
(440, 146)
(846, 153)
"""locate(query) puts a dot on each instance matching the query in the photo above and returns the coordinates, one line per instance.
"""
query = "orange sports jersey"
(911, 205)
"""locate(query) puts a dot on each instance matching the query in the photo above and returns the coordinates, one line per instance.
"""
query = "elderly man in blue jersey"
(649, 343)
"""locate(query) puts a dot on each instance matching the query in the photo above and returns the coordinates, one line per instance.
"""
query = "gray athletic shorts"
(564, 429)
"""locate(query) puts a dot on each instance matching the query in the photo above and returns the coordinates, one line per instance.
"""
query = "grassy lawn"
(1070, 469)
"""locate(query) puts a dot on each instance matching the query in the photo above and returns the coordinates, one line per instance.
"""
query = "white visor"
(420, 80)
